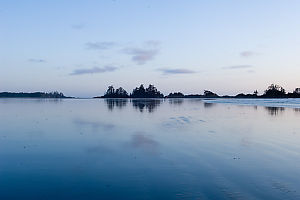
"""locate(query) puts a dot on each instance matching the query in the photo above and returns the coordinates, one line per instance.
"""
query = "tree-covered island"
(273, 91)
(32, 95)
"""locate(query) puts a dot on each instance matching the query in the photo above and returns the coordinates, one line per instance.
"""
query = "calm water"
(152, 149)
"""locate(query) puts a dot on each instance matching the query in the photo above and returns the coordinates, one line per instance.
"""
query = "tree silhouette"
(176, 95)
(297, 91)
(209, 94)
(150, 92)
(33, 95)
(118, 93)
(110, 90)
(275, 91)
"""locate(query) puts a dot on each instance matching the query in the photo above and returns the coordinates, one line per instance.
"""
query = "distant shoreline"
(204, 98)
(210, 98)
(273, 91)
(151, 92)
(39, 95)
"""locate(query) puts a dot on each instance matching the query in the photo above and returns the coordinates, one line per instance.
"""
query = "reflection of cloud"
(93, 124)
(176, 122)
(100, 45)
(245, 142)
(94, 70)
(184, 119)
(141, 141)
(177, 71)
(238, 67)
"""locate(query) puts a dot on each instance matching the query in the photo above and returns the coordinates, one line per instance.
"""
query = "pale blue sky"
(80, 47)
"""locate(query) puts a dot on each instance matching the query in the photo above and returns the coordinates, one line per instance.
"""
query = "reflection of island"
(32, 95)
(140, 104)
(208, 105)
(274, 110)
(146, 104)
(119, 103)
(176, 101)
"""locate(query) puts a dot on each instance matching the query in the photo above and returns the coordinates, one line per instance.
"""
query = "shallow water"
(148, 149)
(286, 102)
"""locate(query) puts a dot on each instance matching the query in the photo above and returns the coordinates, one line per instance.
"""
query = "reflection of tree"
(274, 110)
(118, 93)
(297, 110)
(176, 101)
(208, 105)
(119, 103)
(146, 104)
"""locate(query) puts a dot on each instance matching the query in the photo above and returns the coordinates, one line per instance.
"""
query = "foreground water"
(148, 149)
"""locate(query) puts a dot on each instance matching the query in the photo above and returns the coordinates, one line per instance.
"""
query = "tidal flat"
(149, 149)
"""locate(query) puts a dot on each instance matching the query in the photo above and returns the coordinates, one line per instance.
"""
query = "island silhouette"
(273, 91)
(33, 95)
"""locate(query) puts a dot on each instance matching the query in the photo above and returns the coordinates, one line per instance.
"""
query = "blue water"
(148, 149)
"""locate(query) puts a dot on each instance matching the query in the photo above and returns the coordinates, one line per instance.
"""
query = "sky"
(80, 47)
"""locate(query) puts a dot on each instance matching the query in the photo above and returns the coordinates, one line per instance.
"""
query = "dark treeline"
(138, 92)
(273, 91)
(32, 95)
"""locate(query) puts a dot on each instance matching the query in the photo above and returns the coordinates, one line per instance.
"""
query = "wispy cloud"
(142, 55)
(94, 70)
(100, 45)
(34, 60)
(78, 26)
(177, 71)
(238, 67)
(247, 54)
(153, 43)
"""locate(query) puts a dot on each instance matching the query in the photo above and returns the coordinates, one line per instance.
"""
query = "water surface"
(148, 149)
